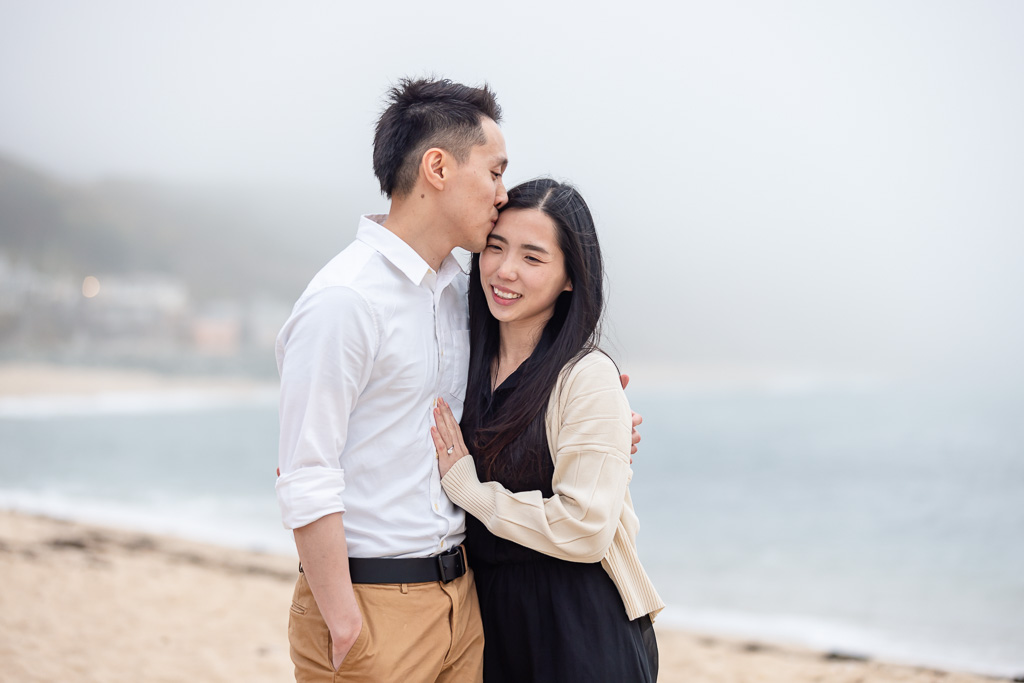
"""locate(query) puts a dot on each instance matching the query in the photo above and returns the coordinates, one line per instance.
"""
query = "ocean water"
(884, 522)
(196, 465)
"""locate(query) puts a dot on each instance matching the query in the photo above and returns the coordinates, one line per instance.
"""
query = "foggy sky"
(828, 186)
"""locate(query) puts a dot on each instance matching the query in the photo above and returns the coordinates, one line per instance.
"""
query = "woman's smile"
(504, 297)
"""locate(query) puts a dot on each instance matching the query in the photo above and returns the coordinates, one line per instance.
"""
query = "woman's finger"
(442, 426)
(449, 419)
(455, 431)
(443, 416)
(438, 440)
(449, 432)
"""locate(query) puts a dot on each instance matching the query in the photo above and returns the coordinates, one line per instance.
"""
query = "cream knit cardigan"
(590, 517)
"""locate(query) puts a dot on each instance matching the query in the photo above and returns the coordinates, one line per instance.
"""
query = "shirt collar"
(402, 256)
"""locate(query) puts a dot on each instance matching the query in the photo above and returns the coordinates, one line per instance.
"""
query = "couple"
(378, 349)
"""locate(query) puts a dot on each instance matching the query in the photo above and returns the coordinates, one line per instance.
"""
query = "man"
(381, 331)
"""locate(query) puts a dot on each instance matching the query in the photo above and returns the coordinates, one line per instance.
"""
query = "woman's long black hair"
(511, 443)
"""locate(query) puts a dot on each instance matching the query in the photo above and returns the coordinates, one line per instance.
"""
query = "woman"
(551, 531)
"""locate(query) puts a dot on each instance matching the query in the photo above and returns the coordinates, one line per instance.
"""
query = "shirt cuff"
(309, 493)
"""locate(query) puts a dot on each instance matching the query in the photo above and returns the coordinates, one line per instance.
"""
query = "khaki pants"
(412, 633)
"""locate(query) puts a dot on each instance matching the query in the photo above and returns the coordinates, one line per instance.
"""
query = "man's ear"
(435, 167)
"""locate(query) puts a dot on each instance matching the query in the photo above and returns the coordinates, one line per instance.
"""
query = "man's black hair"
(427, 113)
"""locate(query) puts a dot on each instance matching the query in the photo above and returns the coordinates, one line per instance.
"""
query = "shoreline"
(33, 380)
(129, 606)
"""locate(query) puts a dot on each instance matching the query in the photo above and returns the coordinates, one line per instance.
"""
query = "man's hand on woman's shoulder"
(637, 419)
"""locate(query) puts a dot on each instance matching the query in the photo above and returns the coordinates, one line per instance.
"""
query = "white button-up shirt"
(370, 344)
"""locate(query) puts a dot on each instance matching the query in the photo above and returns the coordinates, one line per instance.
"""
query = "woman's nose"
(507, 270)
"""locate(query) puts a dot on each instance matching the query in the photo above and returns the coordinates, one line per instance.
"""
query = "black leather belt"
(445, 567)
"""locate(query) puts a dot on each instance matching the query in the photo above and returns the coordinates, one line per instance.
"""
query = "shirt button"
(435, 506)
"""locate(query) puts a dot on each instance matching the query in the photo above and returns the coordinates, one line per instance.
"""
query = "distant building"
(142, 315)
(216, 330)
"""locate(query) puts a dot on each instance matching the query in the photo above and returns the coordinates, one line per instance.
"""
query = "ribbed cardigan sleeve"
(591, 458)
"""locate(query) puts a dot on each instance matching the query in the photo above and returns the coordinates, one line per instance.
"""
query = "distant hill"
(224, 243)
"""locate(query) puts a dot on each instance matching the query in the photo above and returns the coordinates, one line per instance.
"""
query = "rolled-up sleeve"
(324, 356)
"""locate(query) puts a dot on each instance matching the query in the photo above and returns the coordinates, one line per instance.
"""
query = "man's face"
(477, 189)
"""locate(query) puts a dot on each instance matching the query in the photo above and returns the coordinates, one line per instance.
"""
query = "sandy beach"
(85, 603)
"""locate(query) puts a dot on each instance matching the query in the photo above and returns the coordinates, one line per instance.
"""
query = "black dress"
(547, 619)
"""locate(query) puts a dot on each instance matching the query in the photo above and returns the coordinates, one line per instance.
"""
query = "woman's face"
(522, 268)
